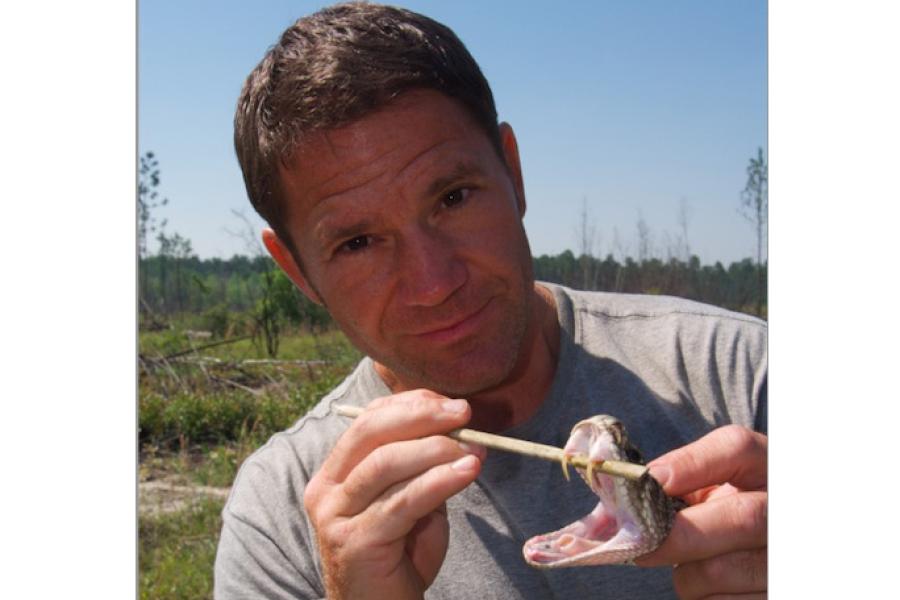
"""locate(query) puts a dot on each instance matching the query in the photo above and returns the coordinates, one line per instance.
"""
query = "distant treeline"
(229, 297)
(736, 287)
(170, 285)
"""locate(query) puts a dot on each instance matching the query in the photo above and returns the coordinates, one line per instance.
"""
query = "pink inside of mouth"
(585, 534)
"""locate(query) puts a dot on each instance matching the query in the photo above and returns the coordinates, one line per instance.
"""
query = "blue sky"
(634, 108)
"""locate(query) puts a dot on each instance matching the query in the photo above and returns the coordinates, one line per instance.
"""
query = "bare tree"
(147, 200)
(586, 232)
(619, 253)
(266, 316)
(684, 217)
(645, 238)
(755, 208)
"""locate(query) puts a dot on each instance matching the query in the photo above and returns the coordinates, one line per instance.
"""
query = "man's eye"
(456, 197)
(357, 243)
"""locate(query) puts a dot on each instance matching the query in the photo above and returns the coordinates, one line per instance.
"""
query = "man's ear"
(286, 261)
(511, 156)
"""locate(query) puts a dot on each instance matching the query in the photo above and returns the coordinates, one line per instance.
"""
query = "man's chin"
(463, 379)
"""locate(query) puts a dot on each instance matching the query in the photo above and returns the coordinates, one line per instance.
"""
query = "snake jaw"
(631, 519)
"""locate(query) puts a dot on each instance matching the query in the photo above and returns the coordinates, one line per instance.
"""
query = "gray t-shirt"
(670, 369)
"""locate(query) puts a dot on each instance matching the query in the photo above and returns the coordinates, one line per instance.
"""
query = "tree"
(179, 250)
(684, 217)
(586, 231)
(147, 201)
(755, 208)
(645, 242)
(266, 314)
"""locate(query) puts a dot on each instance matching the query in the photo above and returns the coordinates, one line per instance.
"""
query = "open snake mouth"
(631, 519)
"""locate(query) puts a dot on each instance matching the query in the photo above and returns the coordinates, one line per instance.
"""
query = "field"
(203, 407)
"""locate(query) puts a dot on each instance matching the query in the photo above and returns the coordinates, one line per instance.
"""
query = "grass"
(328, 345)
(198, 420)
(177, 551)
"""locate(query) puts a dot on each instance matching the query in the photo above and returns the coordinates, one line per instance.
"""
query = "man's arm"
(719, 542)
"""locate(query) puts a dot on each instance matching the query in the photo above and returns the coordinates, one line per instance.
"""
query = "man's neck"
(519, 397)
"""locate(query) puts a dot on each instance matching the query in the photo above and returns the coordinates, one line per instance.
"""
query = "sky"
(623, 110)
(67, 249)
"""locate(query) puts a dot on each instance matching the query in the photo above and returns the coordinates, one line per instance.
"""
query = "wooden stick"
(615, 468)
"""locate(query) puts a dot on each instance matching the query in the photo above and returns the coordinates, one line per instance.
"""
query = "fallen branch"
(197, 349)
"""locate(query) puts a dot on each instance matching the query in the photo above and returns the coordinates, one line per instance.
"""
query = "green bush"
(225, 416)
(216, 320)
(193, 417)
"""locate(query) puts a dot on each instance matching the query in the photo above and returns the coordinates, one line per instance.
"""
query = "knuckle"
(378, 463)
(311, 496)
(735, 572)
(751, 565)
(425, 401)
(334, 536)
(739, 437)
(372, 468)
(362, 427)
(398, 503)
(426, 393)
(714, 569)
(379, 402)
(751, 513)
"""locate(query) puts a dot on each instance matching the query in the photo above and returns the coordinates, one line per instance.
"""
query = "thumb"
(730, 454)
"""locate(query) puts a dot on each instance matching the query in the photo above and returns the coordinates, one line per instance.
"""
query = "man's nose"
(431, 270)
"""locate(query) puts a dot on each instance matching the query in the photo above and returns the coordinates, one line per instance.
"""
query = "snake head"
(632, 518)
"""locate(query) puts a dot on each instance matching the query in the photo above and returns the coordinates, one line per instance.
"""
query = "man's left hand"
(718, 544)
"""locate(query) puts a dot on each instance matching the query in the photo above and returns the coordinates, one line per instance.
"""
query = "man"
(369, 142)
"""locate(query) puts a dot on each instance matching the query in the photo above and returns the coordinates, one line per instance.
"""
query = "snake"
(633, 517)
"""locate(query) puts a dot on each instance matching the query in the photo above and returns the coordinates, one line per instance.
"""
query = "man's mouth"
(455, 328)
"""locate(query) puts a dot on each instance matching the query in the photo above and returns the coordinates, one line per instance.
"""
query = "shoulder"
(267, 546)
(697, 362)
(650, 319)
(288, 460)
(614, 307)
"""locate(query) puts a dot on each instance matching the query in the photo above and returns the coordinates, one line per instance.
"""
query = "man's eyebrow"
(461, 170)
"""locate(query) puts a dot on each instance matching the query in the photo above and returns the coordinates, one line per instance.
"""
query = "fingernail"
(469, 448)
(661, 473)
(466, 463)
(455, 406)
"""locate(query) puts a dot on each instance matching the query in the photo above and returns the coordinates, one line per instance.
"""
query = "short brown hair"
(333, 67)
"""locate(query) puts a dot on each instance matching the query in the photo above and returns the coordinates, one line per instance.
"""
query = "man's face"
(409, 227)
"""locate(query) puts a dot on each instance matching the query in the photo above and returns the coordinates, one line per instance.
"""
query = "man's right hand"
(378, 502)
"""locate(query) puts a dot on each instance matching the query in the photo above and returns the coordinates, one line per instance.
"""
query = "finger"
(735, 522)
(426, 544)
(739, 572)
(396, 512)
(418, 414)
(730, 454)
(752, 596)
(394, 463)
(710, 493)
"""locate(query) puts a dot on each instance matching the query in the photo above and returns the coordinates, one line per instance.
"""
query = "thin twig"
(615, 468)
